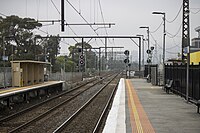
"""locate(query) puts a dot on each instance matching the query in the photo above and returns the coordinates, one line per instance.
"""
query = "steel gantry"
(105, 37)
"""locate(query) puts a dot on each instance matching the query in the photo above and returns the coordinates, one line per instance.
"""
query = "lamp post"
(146, 27)
(142, 36)
(164, 34)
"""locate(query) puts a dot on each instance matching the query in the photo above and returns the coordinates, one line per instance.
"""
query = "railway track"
(31, 116)
(88, 117)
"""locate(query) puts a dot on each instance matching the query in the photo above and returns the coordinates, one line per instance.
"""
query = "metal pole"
(139, 54)
(164, 34)
(148, 36)
(84, 62)
(62, 15)
(188, 59)
(148, 54)
(4, 65)
(188, 70)
(105, 53)
(99, 61)
(143, 50)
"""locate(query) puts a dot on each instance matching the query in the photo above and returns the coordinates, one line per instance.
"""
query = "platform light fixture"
(164, 34)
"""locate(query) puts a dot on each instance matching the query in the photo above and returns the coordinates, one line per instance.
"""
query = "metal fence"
(177, 73)
(8, 77)
(66, 76)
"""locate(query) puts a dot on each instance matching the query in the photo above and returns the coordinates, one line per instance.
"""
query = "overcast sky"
(128, 15)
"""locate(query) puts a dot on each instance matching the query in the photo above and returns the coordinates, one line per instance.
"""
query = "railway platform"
(141, 107)
(8, 93)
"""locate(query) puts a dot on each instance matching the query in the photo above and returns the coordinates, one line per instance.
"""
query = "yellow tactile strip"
(139, 120)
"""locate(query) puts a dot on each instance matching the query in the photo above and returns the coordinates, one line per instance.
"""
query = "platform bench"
(168, 86)
(198, 105)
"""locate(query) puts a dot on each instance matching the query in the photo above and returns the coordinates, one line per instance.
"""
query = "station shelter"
(27, 72)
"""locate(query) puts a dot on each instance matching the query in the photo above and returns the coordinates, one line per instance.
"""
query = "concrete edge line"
(116, 118)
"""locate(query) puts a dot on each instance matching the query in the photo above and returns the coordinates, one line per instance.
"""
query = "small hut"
(27, 72)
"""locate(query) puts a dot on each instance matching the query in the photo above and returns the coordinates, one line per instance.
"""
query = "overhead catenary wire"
(55, 6)
(157, 27)
(198, 10)
(49, 34)
(170, 52)
(68, 26)
(171, 21)
(83, 18)
(171, 35)
(173, 47)
(102, 16)
(103, 19)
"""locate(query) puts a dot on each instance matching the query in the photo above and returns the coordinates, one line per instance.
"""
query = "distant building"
(196, 42)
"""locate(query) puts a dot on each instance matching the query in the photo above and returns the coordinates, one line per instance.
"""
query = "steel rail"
(52, 109)
(43, 102)
(60, 128)
(98, 124)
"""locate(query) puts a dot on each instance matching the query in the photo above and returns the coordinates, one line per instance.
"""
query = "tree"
(51, 49)
(18, 37)
(65, 63)
(90, 56)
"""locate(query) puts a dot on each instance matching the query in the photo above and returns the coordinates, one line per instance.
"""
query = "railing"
(178, 74)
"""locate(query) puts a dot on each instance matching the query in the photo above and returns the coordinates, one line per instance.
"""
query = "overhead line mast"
(62, 16)
(185, 27)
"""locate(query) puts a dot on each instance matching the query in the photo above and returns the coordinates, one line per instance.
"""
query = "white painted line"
(115, 122)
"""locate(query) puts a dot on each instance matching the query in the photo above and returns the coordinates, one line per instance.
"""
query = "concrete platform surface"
(149, 109)
(168, 113)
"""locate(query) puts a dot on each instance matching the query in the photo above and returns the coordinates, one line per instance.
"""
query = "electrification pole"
(186, 41)
(62, 16)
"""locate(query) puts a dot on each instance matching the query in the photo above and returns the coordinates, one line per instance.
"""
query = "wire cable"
(155, 41)
(173, 47)
(102, 16)
(198, 10)
(171, 35)
(171, 21)
(49, 34)
(83, 18)
(103, 20)
(55, 6)
(158, 27)
(170, 52)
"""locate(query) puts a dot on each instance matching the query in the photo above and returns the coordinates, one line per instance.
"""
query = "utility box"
(27, 72)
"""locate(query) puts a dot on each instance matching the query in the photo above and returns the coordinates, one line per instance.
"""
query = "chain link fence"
(5, 77)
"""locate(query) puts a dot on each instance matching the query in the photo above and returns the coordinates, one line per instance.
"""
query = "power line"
(60, 14)
(102, 17)
(55, 6)
(49, 34)
(171, 21)
(173, 47)
(171, 52)
(198, 10)
(171, 35)
(157, 28)
(83, 18)
(155, 41)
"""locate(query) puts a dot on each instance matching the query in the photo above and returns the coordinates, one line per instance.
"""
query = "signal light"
(81, 61)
